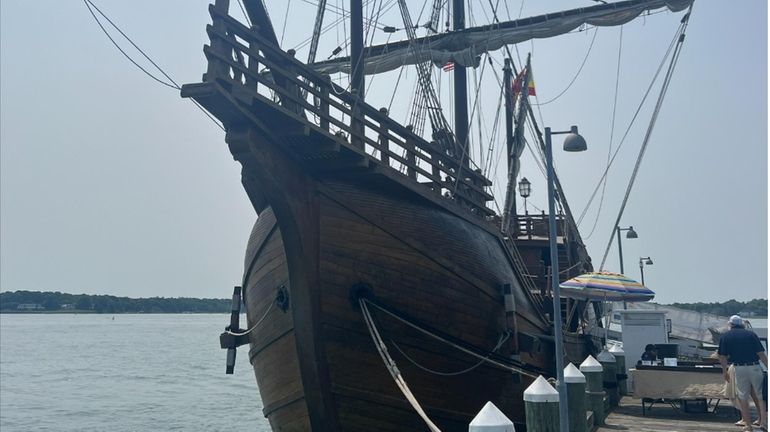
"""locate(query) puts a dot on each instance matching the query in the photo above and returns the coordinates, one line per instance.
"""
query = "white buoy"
(491, 419)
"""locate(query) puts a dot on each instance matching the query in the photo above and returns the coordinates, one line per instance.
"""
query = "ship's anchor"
(228, 340)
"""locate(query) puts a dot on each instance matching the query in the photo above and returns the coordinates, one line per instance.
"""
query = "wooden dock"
(664, 418)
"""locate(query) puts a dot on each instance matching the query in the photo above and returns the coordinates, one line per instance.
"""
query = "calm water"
(137, 373)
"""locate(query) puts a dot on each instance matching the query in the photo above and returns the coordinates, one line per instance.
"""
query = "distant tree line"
(756, 307)
(58, 301)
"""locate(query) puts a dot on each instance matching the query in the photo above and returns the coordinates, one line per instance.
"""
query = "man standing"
(743, 350)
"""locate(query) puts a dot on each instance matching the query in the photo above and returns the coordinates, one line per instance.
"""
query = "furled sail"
(463, 47)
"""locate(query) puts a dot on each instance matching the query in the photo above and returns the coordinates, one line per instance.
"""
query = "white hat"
(735, 321)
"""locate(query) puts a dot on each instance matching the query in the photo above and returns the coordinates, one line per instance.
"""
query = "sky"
(110, 183)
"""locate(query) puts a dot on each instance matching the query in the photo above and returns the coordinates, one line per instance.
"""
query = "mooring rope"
(269, 308)
(392, 368)
(501, 340)
(488, 358)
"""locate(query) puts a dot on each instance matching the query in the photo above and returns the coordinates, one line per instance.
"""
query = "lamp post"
(642, 262)
(573, 142)
(525, 188)
(631, 234)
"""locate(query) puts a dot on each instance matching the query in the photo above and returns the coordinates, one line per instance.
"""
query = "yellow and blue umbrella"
(605, 286)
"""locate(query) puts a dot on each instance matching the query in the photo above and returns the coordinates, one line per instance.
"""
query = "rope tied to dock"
(392, 368)
(500, 341)
(488, 358)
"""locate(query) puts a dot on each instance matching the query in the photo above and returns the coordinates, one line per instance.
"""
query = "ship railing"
(235, 56)
(535, 226)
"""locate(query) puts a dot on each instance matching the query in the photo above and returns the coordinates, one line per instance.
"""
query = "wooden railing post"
(218, 69)
(324, 102)
(410, 157)
(383, 140)
(253, 64)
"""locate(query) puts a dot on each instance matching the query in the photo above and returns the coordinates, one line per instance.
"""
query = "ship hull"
(423, 261)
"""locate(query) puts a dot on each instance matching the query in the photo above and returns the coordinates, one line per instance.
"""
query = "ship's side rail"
(266, 79)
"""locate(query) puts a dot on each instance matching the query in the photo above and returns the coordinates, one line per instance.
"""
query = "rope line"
(392, 368)
(612, 136)
(650, 127)
(580, 69)
(269, 308)
(503, 337)
(89, 4)
(450, 343)
(630, 125)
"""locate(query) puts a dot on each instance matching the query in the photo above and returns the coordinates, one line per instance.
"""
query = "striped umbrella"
(605, 286)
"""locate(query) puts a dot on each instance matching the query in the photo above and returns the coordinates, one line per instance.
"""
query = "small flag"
(449, 66)
(530, 84)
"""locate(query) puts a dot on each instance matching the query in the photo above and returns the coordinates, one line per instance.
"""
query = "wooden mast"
(460, 84)
(508, 92)
(357, 48)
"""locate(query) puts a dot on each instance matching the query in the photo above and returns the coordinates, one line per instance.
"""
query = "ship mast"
(357, 48)
(460, 84)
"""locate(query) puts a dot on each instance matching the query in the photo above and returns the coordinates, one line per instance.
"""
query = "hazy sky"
(111, 183)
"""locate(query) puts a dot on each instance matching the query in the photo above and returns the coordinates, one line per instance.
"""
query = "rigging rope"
(500, 341)
(612, 134)
(392, 368)
(631, 123)
(89, 4)
(648, 134)
(490, 358)
(259, 321)
(580, 69)
(245, 15)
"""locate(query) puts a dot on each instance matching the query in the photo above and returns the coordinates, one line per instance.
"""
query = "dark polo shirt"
(740, 346)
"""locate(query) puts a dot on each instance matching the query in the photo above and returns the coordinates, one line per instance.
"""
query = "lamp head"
(574, 142)
(648, 261)
(631, 234)
(525, 187)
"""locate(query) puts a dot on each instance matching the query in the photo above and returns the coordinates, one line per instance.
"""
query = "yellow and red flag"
(530, 83)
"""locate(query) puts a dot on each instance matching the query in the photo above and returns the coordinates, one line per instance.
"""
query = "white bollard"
(491, 419)
(541, 406)
(620, 359)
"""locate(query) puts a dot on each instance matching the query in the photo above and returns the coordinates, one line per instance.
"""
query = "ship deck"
(663, 418)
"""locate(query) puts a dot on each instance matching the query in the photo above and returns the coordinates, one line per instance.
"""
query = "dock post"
(541, 406)
(593, 372)
(491, 419)
(610, 376)
(576, 398)
(620, 361)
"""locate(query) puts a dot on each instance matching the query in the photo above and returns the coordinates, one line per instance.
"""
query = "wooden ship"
(356, 211)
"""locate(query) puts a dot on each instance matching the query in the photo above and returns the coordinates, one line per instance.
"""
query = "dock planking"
(663, 418)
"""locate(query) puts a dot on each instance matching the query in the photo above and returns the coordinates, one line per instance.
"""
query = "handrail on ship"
(233, 59)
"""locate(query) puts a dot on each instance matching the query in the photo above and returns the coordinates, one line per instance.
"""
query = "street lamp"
(642, 262)
(573, 142)
(631, 234)
(525, 188)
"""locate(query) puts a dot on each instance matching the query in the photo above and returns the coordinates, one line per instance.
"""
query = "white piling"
(491, 419)
(541, 405)
(576, 398)
(593, 371)
(620, 360)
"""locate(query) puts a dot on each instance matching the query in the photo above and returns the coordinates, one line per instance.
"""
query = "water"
(68, 372)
